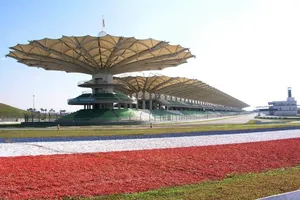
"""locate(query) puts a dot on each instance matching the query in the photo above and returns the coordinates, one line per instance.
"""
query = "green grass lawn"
(138, 130)
(242, 186)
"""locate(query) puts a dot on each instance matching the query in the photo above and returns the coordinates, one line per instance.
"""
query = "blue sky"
(248, 49)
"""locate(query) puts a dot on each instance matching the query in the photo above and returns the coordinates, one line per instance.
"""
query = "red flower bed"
(122, 172)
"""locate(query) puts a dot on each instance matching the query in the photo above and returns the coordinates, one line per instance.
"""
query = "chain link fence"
(41, 117)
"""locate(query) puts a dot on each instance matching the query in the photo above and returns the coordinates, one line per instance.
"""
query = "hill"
(9, 111)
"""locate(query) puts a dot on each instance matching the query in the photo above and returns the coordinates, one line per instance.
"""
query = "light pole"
(33, 101)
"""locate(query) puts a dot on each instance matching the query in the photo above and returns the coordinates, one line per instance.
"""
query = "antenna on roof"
(102, 33)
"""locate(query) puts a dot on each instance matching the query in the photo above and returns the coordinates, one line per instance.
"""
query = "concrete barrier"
(80, 123)
(295, 195)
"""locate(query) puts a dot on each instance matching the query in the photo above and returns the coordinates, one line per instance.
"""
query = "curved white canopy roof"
(91, 55)
(178, 87)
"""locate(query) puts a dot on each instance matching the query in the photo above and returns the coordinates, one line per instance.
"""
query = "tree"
(62, 112)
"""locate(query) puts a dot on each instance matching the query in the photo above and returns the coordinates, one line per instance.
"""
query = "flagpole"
(103, 24)
(102, 33)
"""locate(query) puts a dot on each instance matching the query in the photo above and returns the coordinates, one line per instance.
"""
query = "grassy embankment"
(242, 186)
(7, 111)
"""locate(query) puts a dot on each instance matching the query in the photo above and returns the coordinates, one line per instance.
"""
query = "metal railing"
(83, 82)
(86, 92)
(42, 117)
(141, 116)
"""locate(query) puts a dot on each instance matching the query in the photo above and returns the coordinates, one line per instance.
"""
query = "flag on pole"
(103, 22)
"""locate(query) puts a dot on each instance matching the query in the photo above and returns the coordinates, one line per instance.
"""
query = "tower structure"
(106, 55)
(101, 57)
(284, 108)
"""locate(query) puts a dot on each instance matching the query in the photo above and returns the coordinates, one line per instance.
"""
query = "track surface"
(109, 145)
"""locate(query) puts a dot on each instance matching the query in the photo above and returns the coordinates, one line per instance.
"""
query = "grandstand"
(129, 97)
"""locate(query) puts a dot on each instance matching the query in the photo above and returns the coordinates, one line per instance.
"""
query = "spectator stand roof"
(92, 55)
(178, 87)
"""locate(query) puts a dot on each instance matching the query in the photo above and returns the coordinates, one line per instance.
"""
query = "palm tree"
(62, 111)
(51, 111)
